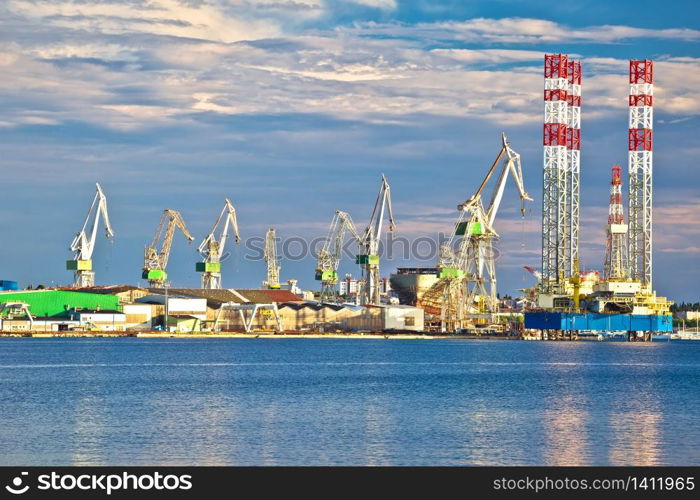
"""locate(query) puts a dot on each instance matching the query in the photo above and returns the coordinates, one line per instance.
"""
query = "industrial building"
(50, 303)
(111, 310)
(59, 310)
(348, 317)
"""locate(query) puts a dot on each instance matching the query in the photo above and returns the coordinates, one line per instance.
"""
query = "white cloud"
(132, 67)
(208, 19)
(523, 30)
(379, 4)
(494, 56)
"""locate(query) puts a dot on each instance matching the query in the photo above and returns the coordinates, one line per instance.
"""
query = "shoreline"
(254, 335)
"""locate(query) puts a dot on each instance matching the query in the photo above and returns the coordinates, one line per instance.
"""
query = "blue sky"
(293, 109)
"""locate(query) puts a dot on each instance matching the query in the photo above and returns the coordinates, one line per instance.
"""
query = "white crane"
(15, 309)
(473, 264)
(273, 264)
(212, 248)
(83, 245)
(329, 256)
(155, 261)
(369, 246)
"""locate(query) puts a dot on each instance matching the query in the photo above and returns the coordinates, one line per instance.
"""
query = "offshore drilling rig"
(567, 300)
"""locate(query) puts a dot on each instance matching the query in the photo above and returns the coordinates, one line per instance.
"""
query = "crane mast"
(369, 246)
(155, 261)
(273, 265)
(83, 245)
(212, 248)
(329, 256)
(467, 276)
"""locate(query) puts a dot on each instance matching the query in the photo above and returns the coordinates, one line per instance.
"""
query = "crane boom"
(513, 166)
(84, 245)
(330, 254)
(273, 265)
(212, 249)
(155, 261)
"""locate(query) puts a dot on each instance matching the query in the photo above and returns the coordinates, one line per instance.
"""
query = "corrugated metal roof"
(238, 296)
(95, 311)
(316, 306)
(214, 297)
(263, 295)
(108, 289)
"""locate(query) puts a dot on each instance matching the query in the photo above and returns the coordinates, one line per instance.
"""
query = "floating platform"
(599, 322)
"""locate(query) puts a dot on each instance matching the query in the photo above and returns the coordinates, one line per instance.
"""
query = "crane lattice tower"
(615, 265)
(554, 195)
(641, 119)
(573, 157)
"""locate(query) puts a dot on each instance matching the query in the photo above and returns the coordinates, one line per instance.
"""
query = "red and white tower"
(641, 117)
(615, 265)
(555, 195)
(573, 147)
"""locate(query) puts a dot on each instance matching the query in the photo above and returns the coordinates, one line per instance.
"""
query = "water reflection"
(88, 432)
(635, 426)
(566, 431)
(376, 427)
(214, 418)
(565, 417)
(491, 435)
(268, 434)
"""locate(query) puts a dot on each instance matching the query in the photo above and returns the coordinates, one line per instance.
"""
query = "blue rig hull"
(598, 322)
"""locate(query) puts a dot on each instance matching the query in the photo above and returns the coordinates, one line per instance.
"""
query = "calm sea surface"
(347, 401)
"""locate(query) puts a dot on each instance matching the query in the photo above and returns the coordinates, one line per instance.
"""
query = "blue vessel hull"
(598, 322)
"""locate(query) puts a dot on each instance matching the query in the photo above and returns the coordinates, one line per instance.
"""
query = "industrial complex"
(624, 299)
(457, 295)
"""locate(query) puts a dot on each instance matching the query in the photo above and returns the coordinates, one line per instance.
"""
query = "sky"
(294, 108)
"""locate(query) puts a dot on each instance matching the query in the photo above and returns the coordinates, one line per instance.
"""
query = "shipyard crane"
(330, 254)
(212, 248)
(155, 261)
(83, 245)
(369, 245)
(469, 272)
(273, 265)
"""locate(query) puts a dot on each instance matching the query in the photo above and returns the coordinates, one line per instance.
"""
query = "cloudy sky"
(294, 108)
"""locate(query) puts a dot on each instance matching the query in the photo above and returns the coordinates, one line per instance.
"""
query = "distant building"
(139, 316)
(688, 315)
(99, 319)
(348, 286)
(351, 286)
(8, 285)
(314, 316)
(292, 286)
(184, 323)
